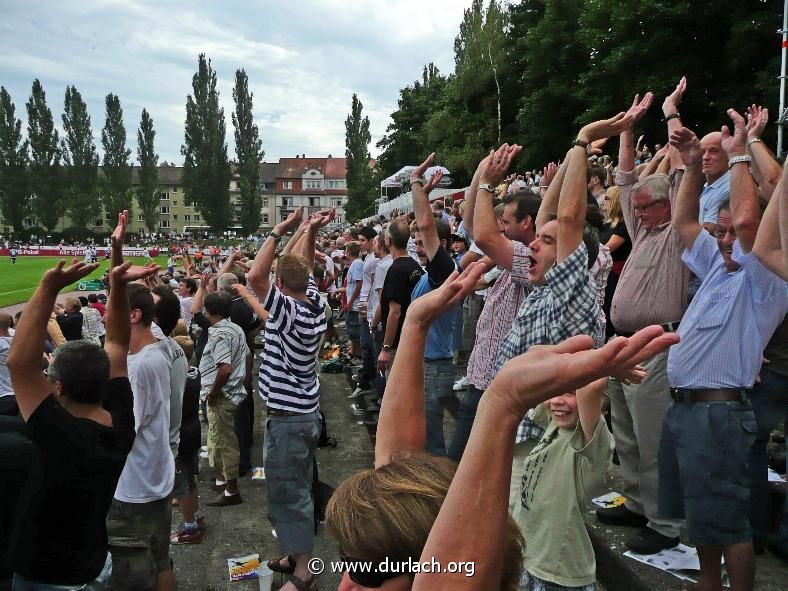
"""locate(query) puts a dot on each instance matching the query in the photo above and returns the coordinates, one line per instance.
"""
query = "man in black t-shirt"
(82, 423)
(402, 277)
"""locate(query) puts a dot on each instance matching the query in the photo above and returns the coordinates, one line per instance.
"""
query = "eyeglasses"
(365, 572)
(642, 208)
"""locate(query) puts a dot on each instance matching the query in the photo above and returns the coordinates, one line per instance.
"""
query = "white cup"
(265, 577)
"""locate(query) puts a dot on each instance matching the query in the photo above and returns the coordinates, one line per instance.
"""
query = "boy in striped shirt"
(291, 390)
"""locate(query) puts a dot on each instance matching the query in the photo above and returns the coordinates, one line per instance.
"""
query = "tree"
(81, 159)
(206, 170)
(14, 189)
(249, 151)
(360, 188)
(46, 174)
(148, 189)
(117, 169)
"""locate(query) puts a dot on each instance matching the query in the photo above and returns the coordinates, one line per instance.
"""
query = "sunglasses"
(365, 573)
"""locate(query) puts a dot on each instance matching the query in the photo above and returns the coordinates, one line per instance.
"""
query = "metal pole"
(781, 123)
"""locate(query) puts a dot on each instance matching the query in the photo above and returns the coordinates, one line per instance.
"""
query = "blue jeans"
(769, 405)
(438, 392)
(379, 381)
(465, 417)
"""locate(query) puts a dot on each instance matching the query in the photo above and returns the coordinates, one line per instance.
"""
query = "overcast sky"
(304, 59)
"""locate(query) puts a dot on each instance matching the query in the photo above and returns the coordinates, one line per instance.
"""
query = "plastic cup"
(265, 577)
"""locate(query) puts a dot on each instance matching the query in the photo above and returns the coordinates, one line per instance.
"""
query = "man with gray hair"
(652, 289)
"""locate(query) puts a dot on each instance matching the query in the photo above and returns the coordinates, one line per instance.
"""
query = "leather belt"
(667, 327)
(275, 412)
(710, 395)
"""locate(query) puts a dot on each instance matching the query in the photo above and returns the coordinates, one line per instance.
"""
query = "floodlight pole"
(782, 113)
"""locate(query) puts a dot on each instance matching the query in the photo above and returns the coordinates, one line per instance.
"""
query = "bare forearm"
(626, 151)
(470, 202)
(392, 322)
(401, 423)
(28, 344)
(198, 300)
(261, 267)
(480, 487)
(687, 207)
(549, 203)
(744, 205)
(294, 242)
(768, 169)
(223, 372)
(308, 248)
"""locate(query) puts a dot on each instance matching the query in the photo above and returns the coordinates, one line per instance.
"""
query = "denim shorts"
(703, 473)
(353, 325)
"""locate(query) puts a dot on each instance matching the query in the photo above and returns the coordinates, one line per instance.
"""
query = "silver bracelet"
(750, 142)
(738, 159)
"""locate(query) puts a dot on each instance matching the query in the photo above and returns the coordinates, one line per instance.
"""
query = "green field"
(19, 281)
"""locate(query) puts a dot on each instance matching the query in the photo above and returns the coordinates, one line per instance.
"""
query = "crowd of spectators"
(635, 306)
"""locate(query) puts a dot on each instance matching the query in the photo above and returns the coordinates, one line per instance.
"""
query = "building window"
(336, 202)
(265, 218)
(175, 204)
(287, 184)
(98, 223)
(140, 217)
(187, 218)
(338, 219)
(313, 185)
(164, 224)
(196, 217)
(287, 201)
(284, 215)
(175, 189)
(165, 209)
(175, 217)
(165, 196)
(265, 202)
(314, 201)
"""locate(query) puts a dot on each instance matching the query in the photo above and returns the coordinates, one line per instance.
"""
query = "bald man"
(718, 179)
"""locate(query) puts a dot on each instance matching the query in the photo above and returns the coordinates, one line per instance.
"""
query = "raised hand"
(417, 174)
(757, 118)
(293, 220)
(671, 103)
(425, 309)
(548, 174)
(128, 273)
(688, 145)
(607, 127)
(595, 147)
(119, 233)
(498, 163)
(59, 277)
(323, 218)
(547, 370)
(736, 144)
(638, 109)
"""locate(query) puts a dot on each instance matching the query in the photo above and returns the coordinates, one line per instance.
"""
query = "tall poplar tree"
(46, 174)
(206, 170)
(81, 160)
(360, 188)
(117, 169)
(249, 151)
(148, 189)
(14, 191)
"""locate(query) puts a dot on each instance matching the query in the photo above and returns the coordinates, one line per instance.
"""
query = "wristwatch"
(675, 115)
(487, 187)
(275, 236)
(737, 159)
(580, 143)
(387, 348)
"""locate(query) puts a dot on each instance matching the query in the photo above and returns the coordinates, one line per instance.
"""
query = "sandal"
(276, 565)
(308, 584)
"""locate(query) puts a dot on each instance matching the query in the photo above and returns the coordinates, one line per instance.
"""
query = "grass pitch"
(19, 281)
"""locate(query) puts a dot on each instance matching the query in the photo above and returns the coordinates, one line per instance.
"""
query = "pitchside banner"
(76, 251)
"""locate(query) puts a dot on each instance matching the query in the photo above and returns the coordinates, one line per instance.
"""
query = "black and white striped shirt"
(288, 376)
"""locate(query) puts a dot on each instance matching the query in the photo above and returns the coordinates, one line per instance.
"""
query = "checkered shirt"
(565, 306)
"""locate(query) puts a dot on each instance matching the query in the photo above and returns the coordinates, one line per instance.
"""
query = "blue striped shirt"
(288, 374)
(729, 322)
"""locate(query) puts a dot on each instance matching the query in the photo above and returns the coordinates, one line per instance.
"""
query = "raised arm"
(654, 163)
(744, 194)
(549, 205)
(670, 111)
(765, 168)
(626, 150)
(481, 484)
(259, 274)
(470, 197)
(402, 425)
(294, 244)
(227, 267)
(308, 247)
(589, 406)
(769, 247)
(487, 236)
(687, 207)
(27, 348)
(253, 302)
(420, 190)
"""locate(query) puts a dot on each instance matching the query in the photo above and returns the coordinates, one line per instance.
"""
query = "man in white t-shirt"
(187, 287)
(366, 374)
(140, 514)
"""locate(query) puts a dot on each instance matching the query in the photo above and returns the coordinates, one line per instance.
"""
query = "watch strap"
(487, 187)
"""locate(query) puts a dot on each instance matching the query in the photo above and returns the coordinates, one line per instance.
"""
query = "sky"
(304, 60)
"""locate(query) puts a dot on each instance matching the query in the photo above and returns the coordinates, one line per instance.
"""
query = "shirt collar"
(719, 182)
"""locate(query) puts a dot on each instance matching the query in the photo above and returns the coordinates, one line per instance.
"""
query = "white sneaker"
(204, 455)
(204, 448)
(461, 384)
(357, 393)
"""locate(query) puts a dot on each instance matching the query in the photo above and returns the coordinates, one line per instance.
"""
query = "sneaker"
(358, 393)
(649, 541)
(461, 384)
(274, 534)
(187, 536)
(204, 455)
(356, 410)
(621, 516)
(204, 448)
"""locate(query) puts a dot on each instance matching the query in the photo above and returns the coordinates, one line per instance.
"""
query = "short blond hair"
(294, 272)
(73, 303)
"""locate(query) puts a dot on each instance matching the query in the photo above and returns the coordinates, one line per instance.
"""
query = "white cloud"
(304, 60)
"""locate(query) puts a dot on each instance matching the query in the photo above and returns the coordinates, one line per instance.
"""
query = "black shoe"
(224, 501)
(649, 541)
(621, 516)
